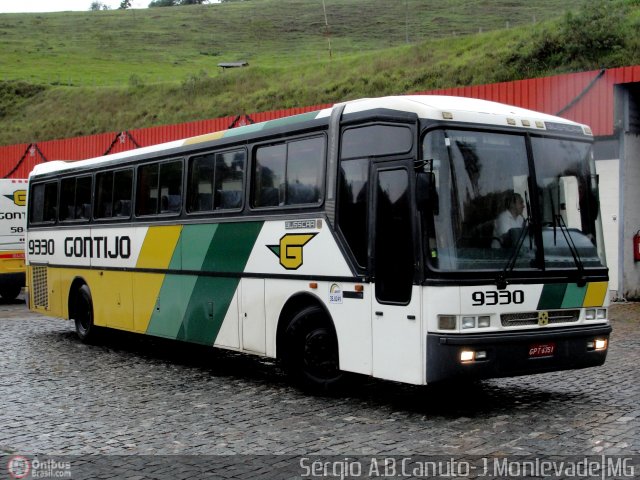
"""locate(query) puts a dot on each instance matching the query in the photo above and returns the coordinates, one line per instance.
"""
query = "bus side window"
(171, 187)
(43, 202)
(289, 173)
(216, 181)
(75, 198)
(353, 197)
(270, 167)
(229, 179)
(122, 190)
(147, 190)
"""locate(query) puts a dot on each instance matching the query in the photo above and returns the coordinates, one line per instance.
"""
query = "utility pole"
(406, 20)
(326, 24)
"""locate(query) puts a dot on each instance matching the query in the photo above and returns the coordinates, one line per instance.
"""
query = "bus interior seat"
(105, 210)
(85, 212)
(269, 197)
(122, 208)
(170, 203)
(229, 198)
(205, 202)
(299, 193)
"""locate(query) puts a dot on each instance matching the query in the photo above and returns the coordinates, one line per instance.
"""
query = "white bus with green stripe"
(356, 239)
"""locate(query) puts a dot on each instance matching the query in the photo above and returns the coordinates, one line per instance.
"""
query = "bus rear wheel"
(82, 315)
(311, 351)
(10, 292)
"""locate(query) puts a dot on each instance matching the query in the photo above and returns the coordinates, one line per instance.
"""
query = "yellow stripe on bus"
(157, 250)
(595, 295)
(158, 247)
(204, 138)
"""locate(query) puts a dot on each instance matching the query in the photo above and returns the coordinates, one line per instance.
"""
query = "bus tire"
(10, 292)
(310, 354)
(83, 315)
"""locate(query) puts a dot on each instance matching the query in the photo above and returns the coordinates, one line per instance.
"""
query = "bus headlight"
(467, 356)
(601, 314)
(590, 314)
(468, 322)
(598, 344)
(447, 322)
(484, 321)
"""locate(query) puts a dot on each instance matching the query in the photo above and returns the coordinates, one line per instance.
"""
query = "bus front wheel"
(311, 351)
(83, 315)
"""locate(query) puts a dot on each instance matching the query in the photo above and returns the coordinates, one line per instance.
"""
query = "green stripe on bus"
(279, 122)
(228, 251)
(551, 296)
(171, 303)
(574, 296)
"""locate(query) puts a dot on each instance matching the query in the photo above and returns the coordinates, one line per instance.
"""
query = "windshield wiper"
(581, 282)
(558, 221)
(501, 278)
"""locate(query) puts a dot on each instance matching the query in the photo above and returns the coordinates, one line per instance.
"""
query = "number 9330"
(492, 297)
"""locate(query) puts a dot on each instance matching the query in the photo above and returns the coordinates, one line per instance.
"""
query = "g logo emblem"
(543, 318)
(290, 249)
(19, 197)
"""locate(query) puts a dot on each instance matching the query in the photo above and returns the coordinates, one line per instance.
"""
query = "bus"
(13, 228)
(355, 239)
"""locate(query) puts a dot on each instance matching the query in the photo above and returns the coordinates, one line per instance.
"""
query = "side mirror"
(426, 192)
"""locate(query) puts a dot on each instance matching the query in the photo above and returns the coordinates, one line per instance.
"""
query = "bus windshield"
(495, 210)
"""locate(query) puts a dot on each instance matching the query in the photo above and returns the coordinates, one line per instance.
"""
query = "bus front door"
(396, 324)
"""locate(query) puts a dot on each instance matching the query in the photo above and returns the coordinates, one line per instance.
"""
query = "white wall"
(631, 215)
(609, 176)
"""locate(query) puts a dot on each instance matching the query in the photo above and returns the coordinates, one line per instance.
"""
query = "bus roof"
(434, 107)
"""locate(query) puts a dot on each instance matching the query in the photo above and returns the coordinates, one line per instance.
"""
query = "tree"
(124, 4)
(95, 6)
(174, 3)
(163, 3)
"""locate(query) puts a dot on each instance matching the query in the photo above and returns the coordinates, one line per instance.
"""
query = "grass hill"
(78, 73)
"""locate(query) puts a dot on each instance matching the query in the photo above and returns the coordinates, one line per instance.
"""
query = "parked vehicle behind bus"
(13, 217)
(360, 238)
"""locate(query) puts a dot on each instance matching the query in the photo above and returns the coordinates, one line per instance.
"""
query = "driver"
(510, 218)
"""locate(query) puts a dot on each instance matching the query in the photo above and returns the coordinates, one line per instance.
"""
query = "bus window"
(216, 181)
(104, 195)
(376, 140)
(170, 187)
(113, 194)
(393, 239)
(159, 188)
(269, 176)
(147, 190)
(44, 202)
(122, 190)
(305, 159)
(289, 173)
(75, 199)
(352, 206)
(229, 179)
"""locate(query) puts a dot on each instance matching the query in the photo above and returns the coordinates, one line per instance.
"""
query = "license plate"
(542, 350)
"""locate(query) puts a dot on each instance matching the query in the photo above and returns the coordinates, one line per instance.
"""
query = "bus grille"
(531, 318)
(40, 287)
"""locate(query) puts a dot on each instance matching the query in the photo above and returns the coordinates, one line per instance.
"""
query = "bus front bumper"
(506, 354)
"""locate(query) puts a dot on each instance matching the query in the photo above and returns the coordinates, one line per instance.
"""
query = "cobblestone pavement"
(138, 395)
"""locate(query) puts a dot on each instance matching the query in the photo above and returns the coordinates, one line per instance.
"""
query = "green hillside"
(69, 74)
